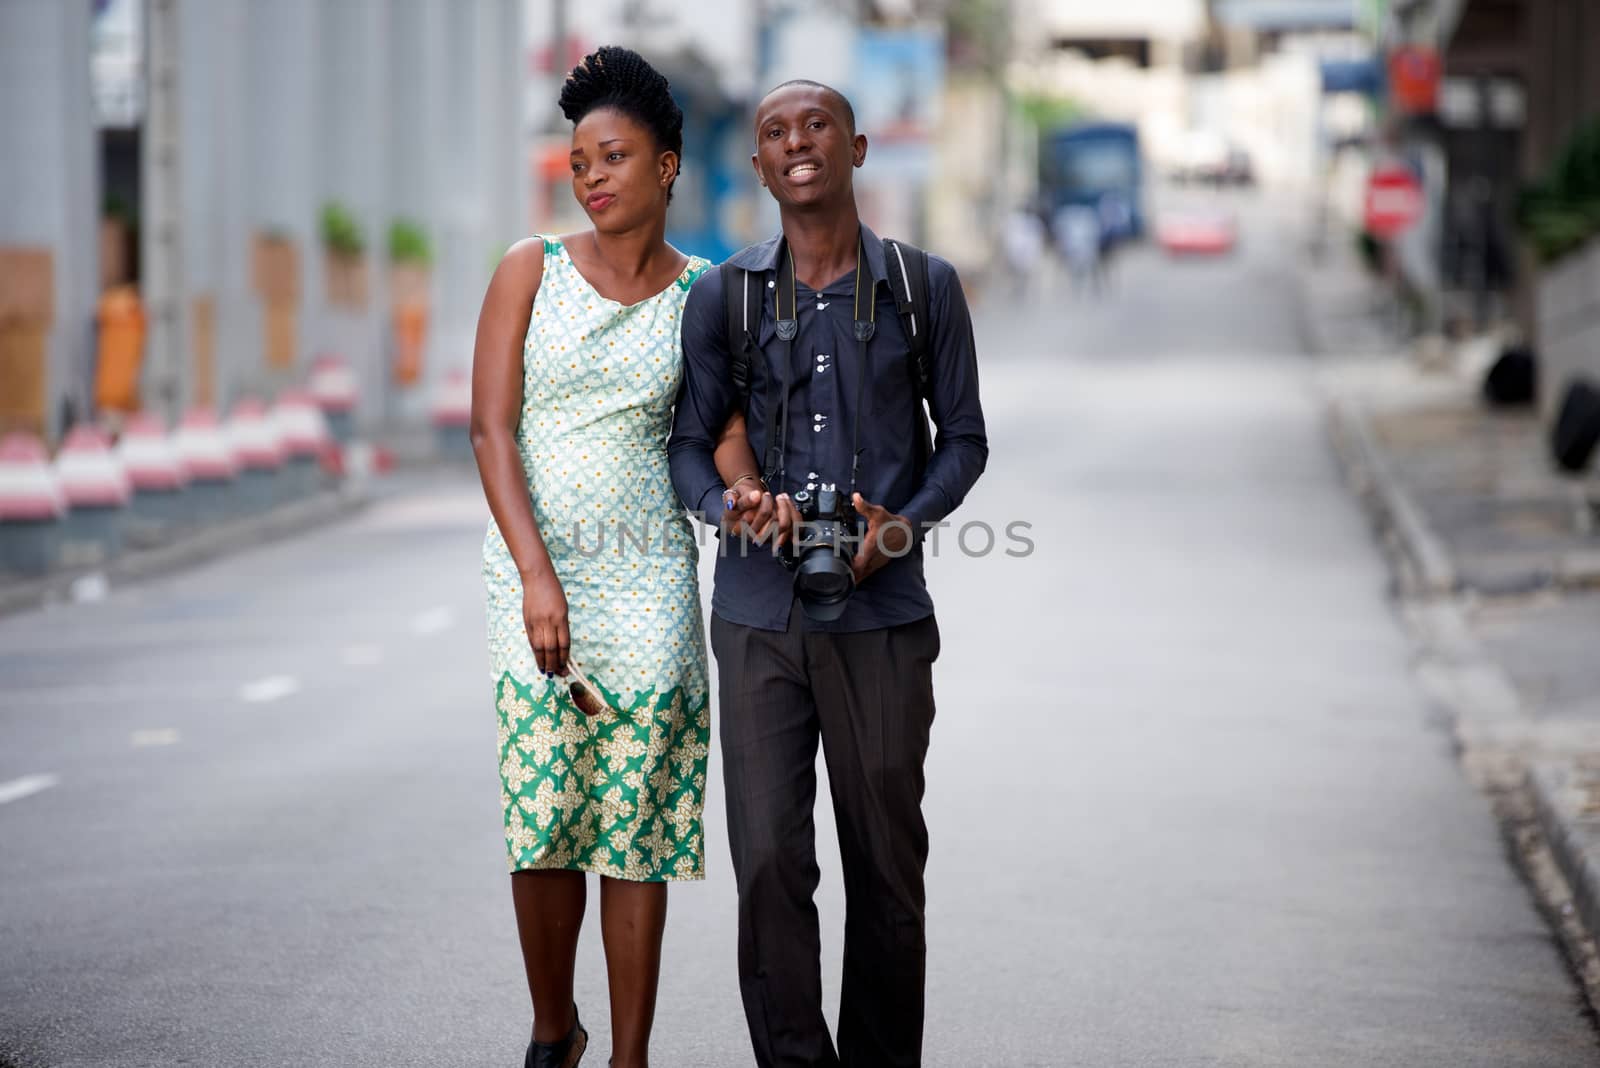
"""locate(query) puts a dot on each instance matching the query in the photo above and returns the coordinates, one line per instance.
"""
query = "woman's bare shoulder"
(524, 261)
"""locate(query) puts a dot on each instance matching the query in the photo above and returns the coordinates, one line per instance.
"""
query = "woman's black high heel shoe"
(564, 1054)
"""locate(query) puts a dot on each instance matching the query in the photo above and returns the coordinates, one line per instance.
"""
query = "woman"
(590, 563)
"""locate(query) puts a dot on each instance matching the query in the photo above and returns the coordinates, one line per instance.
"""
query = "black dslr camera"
(820, 552)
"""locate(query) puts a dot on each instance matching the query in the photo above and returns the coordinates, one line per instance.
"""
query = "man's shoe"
(564, 1054)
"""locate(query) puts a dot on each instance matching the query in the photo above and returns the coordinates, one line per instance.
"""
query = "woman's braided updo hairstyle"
(621, 79)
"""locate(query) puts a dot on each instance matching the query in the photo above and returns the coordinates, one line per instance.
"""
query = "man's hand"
(888, 537)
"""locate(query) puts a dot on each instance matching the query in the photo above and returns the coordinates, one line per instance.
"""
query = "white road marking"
(433, 621)
(87, 589)
(104, 693)
(270, 688)
(17, 789)
(361, 655)
(156, 736)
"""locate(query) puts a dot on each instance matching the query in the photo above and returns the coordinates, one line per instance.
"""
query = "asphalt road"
(1186, 805)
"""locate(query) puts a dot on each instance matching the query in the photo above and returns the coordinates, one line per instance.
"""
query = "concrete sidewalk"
(1497, 568)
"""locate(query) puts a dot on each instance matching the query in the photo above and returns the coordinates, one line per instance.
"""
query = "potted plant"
(118, 241)
(410, 257)
(345, 266)
(1562, 211)
(275, 266)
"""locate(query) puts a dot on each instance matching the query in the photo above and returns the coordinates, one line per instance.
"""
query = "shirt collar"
(763, 256)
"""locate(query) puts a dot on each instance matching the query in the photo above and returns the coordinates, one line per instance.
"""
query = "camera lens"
(823, 582)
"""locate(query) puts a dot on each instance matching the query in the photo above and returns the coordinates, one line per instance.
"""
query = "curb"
(1499, 747)
(1566, 798)
(1430, 568)
(186, 550)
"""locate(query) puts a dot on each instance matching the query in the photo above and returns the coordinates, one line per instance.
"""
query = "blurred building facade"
(49, 261)
(1495, 106)
(721, 56)
(305, 178)
(1522, 104)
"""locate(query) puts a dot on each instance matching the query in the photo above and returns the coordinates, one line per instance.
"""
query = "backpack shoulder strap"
(908, 278)
(741, 311)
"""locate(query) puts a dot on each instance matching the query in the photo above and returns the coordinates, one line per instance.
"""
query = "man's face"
(805, 150)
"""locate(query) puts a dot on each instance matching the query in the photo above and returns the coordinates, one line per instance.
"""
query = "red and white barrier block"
(98, 490)
(32, 506)
(333, 387)
(208, 464)
(303, 433)
(257, 444)
(451, 416)
(157, 474)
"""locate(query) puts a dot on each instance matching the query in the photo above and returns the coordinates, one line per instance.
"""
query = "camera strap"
(865, 328)
(787, 327)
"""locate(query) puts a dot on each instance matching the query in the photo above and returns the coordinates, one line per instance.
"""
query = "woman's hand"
(544, 614)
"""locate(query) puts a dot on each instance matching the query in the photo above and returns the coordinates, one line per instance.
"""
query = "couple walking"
(616, 382)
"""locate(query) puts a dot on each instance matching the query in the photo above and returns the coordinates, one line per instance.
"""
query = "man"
(861, 682)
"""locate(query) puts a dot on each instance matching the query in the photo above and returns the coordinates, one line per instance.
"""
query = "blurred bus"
(1095, 165)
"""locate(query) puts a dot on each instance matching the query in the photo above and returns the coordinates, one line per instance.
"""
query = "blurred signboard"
(896, 85)
(1267, 16)
(1394, 201)
(1351, 76)
(1414, 72)
(116, 62)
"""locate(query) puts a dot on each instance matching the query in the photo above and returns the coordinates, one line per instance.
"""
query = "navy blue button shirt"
(752, 587)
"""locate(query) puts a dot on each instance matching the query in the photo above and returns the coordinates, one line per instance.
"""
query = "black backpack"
(908, 281)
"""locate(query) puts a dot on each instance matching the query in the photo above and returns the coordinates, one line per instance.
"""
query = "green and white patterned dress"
(621, 793)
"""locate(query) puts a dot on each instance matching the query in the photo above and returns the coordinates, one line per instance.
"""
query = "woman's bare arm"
(753, 505)
(497, 375)
(734, 457)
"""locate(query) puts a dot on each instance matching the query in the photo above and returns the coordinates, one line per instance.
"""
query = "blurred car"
(1197, 232)
(1207, 158)
(1239, 170)
(1203, 157)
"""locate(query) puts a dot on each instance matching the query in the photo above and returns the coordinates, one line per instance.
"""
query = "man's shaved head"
(839, 101)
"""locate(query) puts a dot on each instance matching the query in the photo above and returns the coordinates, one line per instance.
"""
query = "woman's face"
(619, 173)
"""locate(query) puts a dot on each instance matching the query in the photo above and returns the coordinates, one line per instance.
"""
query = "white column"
(161, 193)
(353, 166)
(240, 350)
(49, 176)
(420, 120)
(487, 170)
(281, 124)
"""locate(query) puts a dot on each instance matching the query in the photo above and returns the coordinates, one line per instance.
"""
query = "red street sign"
(1394, 201)
(1414, 80)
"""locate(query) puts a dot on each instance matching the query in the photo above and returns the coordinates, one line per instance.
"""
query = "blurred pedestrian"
(1023, 245)
(1078, 243)
(598, 657)
(850, 333)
